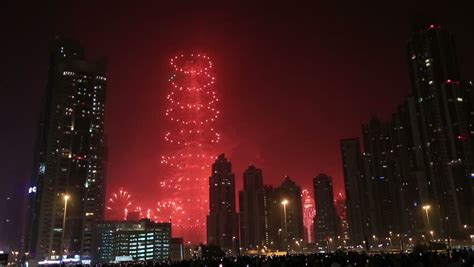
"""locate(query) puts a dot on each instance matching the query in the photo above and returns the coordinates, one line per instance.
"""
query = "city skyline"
(280, 131)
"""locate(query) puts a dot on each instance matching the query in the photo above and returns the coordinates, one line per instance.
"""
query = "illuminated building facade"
(66, 196)
(326, 222)
(138, 240)
(222, 221)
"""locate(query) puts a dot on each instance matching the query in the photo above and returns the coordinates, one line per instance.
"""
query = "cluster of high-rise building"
(413, 175)
(66, 195)
(269, 218)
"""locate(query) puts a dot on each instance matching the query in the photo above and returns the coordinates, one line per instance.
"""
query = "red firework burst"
(118, 205)
(168, 211)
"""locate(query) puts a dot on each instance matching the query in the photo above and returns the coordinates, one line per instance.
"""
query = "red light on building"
(462, 137)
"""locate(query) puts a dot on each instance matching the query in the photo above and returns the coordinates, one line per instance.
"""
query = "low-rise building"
(138, 240)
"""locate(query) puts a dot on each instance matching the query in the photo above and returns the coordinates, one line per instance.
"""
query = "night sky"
(292, 81)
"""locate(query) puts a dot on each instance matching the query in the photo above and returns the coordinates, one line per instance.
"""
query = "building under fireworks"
(192, 114)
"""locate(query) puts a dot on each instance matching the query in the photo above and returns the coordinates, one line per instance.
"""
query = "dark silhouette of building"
(133, 240)
(326, 222)
(341, 210)
(222, 221)
(382, 183)
(133, 216)
(444, 117)
(416, 174)
(355, 186)
(287, 213)
(177, 249)
(252, 203)
(67, 188)
(408, 168)
(271, 217)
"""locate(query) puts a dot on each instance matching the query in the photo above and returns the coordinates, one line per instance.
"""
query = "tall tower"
(289, 212)
(382, 183)
(192, 112)
(326, 223)
(308, 215)
(252, 209)
(443, 114)
(356, 191)
(222, 221)
(67, 189)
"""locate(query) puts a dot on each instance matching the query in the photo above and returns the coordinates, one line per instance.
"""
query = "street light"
(284, 202)
(233, 245)
(427, 208)
(329, 240)
(66, 198)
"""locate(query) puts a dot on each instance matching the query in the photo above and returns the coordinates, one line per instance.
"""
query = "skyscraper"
(445, 131)
(252, 209)
(222, 221)
(288, 212)
(382, 183)
(356, 190)
(67, 188)
(341, 211)
(407, 165)
(326, 222)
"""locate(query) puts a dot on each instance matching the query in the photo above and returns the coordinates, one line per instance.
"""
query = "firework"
(118, 205)
(192, 112)
(168, 211)
(308, 214)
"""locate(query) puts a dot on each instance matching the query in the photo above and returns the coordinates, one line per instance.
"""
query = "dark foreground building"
(288, 213)
(444, 119)
(133, 240)
(222, 221)
(67, 188)
(415, 176)
(252, 212)
(327, 223)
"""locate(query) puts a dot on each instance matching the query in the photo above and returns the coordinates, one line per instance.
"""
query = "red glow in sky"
(289, 89)
(293, 80)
